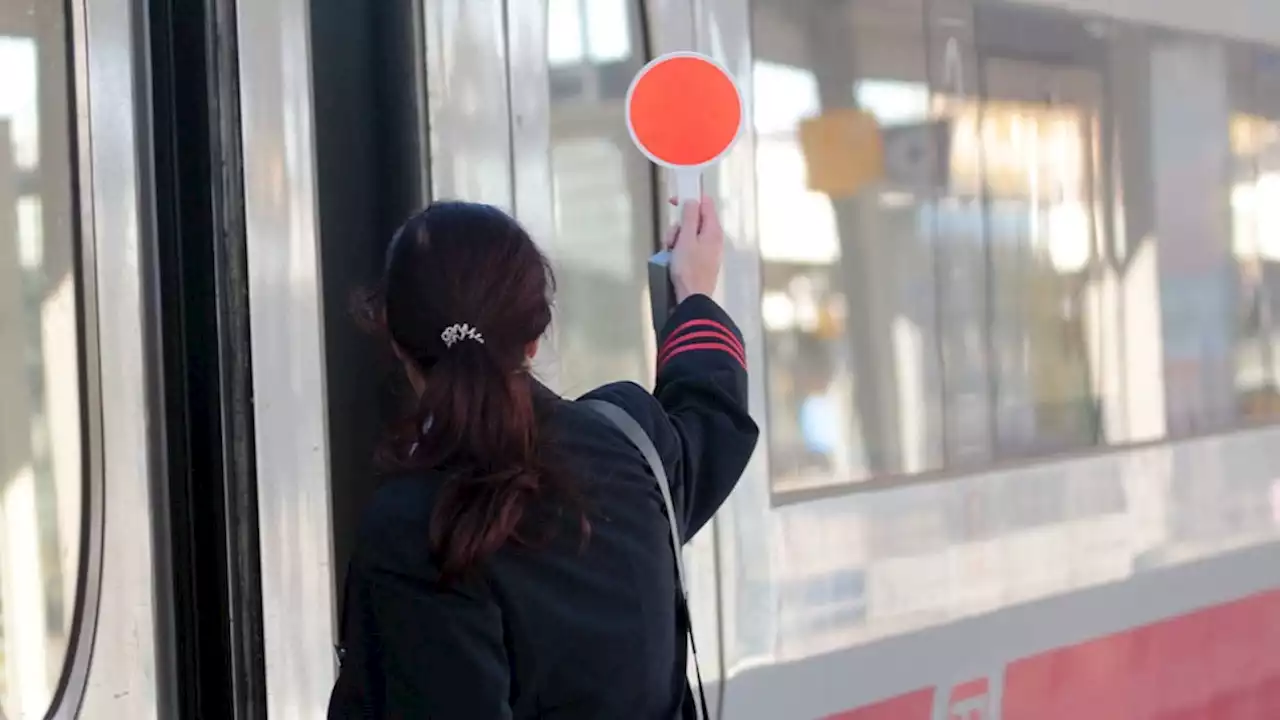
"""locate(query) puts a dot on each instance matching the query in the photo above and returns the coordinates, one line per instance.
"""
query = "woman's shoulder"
(395, 523)
(403, 495)
(630, 396)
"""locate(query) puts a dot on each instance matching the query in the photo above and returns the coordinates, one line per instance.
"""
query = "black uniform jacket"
(562, 629)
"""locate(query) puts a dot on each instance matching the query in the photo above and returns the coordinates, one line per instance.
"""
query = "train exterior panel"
(1017, 381)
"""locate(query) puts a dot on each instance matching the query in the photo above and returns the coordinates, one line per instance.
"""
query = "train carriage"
(1008, 273)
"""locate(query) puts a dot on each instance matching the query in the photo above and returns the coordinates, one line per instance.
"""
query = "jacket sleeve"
(424, 651)
(697, 414)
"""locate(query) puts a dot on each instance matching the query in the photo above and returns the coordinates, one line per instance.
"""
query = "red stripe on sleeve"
(704, 346)
(674, 337)
(722, 341)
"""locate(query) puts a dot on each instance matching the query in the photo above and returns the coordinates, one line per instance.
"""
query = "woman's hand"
(697, 249)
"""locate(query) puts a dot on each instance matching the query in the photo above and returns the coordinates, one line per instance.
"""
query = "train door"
(315, 184)
(603, 214)
(371, 172)
(50, 492)
(104, 484)
(354, 116)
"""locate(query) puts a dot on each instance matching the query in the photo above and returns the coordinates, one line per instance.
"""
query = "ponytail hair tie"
(457, 333)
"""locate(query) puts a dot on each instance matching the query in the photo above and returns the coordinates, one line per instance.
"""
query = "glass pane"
(1040, 128)
(992, 232)
(846, 167)
(602, 198)
(40, 431)
(957, 225)
(1266, 221)
(1191, 156)
(1255, 230)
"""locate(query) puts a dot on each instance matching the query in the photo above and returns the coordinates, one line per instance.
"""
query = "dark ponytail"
(464, 296)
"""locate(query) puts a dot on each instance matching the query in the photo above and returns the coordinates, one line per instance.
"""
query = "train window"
(1255, 238)
(1024, 233)
(1190, 163)
(1041, 174)
(40, 414)
(849, 292)
(602, 191)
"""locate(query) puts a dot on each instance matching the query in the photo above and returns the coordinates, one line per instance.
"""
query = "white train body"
(1029, 510)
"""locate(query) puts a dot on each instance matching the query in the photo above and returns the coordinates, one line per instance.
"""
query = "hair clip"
(457, 333)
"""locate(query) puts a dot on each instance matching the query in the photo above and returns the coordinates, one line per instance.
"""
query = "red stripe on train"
(1221, 663)
(918, 704)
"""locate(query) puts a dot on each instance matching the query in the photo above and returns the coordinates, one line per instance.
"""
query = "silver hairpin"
(462, 331)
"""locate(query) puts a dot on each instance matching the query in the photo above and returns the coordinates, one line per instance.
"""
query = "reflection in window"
(792, 93)
(893, 102)
(802, 310)
(844, 171)
(40, 459)
(596, 30)
(1036, 175)
(602, 197)
(1255, 213)
(1007, 241)
(1190, 141)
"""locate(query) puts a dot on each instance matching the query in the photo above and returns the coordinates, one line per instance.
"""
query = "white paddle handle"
(688, 185)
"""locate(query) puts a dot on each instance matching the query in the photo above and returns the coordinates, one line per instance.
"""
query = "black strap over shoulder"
(638, 437)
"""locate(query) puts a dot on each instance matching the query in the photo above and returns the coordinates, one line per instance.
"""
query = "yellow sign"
(844, 151)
